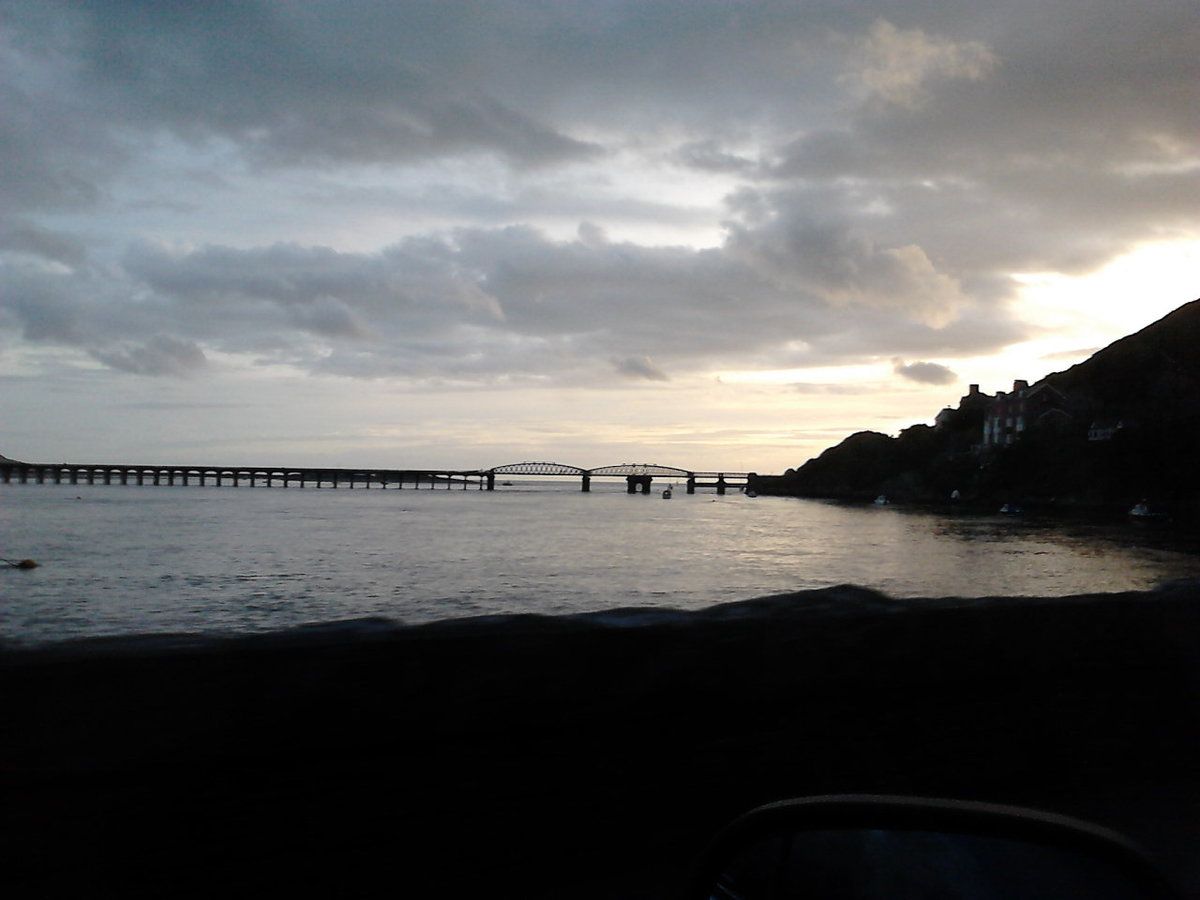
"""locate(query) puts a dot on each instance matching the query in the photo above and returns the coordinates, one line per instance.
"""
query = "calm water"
(125, 559)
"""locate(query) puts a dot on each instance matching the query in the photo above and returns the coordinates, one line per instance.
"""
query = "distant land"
(1119, 429)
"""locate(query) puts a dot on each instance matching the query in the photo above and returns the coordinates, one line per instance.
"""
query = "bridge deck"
(637, 475)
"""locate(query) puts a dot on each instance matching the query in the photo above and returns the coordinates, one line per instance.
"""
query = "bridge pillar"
(634, 483)
(141, 477)
(57, 475)
(24, 475)
(721, 483)
(74, 476)
(41, 475)
(6, 475)
(587, 483)
(691, 484)
(491, 481)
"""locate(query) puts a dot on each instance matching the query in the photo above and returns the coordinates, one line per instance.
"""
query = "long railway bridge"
(638, 476)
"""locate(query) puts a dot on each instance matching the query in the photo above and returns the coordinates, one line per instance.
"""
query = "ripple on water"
(136, 561)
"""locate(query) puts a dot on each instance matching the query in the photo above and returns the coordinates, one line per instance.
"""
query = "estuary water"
(120, 560)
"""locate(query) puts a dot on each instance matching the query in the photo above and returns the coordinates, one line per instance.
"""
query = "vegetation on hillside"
(1147, 383)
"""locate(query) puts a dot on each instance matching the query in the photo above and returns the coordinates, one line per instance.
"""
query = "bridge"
(638, 476)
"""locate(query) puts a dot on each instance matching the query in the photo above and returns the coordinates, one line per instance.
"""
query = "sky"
(711, 235)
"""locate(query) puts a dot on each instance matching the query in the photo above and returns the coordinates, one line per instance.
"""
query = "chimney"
(1019, 385)
(973, 390)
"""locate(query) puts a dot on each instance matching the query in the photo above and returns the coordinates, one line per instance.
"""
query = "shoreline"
(586, 755)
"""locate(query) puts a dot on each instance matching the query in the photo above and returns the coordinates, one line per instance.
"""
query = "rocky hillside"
(1148, 382)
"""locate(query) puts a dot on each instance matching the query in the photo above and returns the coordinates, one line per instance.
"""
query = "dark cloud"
(161, 355)
(709, 154)
(313, 85)
(925, 372)
(640, 367)
(24, 237)
(1059, 136)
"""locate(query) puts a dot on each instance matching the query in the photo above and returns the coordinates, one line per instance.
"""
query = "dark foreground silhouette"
(586, 756)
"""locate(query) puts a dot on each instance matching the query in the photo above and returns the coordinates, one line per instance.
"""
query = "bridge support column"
(58, 476)
(41, 475)
(631, 484)
(24, 475)
(141, 477)
(491, 481)
(74, 476)
(6, 476)
(587, 484)
(721, 483)
(691, 484)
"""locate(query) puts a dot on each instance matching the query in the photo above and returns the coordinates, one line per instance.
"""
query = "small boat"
(1010, 509)
(666, 495)
(1143, 510)
(506, 484)
(881, 500)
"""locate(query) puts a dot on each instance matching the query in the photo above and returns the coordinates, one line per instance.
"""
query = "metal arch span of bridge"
(638, 476)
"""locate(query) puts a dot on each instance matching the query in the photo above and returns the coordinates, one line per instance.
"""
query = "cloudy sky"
(705, 234)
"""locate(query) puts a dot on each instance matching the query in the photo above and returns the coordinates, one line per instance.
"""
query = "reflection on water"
(125, 559)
